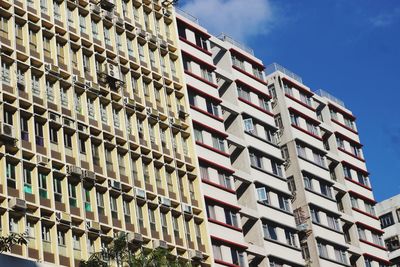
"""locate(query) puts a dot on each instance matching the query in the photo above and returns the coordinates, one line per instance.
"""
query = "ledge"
(225, 263)
(199, 61)
(358, 183)
(261, 139)
(299, 102)
(298, 87)
(334, 261)
(375, 258)
(195, 46)
(355, 167)
(225, 225)
(319, 194)
(252, 88)
(269, 173)
(247, 58)
(233, 244)
(211, 163)
(351, 154)
(370, 200)
(366, 213)
(306, 132)
(218, 186)
(370, 228)
(206, 113)
(194, 28)
(222, 203)
(256, 107)
(334, 106)
(201, 79)
(373, 244)
(281, 243)
(206, 127)
(304, 116)
(312, 162)
(344, 126)
(213, 149)
(249, 75)
(348, 139)
(200, 92)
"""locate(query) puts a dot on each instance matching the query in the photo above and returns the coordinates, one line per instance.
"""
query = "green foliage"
(7, 242)
(120, 252)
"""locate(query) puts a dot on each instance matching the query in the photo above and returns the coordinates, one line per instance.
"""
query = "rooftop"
(327, 95)
(226, 38)
(185, 14)
(276, 67)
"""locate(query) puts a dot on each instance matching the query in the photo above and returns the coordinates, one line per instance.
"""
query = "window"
(218, 143)
(107, 38)
(249, 126)
(72, 195)
(201, 41)
(4, 27)
(305, 99)
(325, 189)
(294, 118)
(27, 173)
(56, 10)
(323, 252)
(333, 222)
(32, 40)
(206, 74)
(370, 208)
(10, 174)
(256, 160)
(237, 62)
(237, 257)
(361, 233)
(76, 241)
(288, 90)
(290, 238)
(312, 128)
(57, 190)
(347, 171)
(363, 179)
(100, 202)
(67, 140)
(42, 185)
(276, 168)
(314, 215)
(354, 202)
(263, 103)
(217, 252)
(258, 73)
(243, 93)
(86, 199)
(386, 220)
(231, 218)
(340, 255)
(270, 231)
(114, 207)
(377, 239)
(53, 135)
(301, 150)
(212, 108)
(24, 129)
(319, 159)
(46, 233)
(308, 182)
(152, 220)
(141, 53)
(284, 203)
(210, 211)
(225, 180)
(19, 34)
(139, 215)
(198, 135)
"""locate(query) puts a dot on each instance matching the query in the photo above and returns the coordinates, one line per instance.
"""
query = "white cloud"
(238, 18)
(385, 19)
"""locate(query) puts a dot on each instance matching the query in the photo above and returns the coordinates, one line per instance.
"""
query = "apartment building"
(250, 219)
(95, 134)
(388, 212)
(332, 197)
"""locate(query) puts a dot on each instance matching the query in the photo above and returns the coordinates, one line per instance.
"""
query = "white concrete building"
(389, 214)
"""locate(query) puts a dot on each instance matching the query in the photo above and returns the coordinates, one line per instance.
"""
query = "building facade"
(95, 137)
(301, 194)
(388, 211)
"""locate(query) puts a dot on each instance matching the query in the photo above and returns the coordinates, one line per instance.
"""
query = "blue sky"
(348, 48)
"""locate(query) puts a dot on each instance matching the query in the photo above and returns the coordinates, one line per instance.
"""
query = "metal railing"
(224, 37)
(187, 15)
(276, 67)
(323, 93)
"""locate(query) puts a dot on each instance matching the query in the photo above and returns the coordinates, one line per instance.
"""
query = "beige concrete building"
(95, 133)
(388, 211)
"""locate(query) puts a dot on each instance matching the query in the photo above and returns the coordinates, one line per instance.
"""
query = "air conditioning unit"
(77, 79)
(141, 33)
(129, 102)
(160, 244)
(108, 14)
(302, 227)
(164, 201)
(74, 170)
(153, 38)
(195, 255)
(95, 8)
(175, 121)
(152, 112)
(113, 71)
(166, 12)
(119, 21)
(68, 122)
(136, 238)
(114, 184)
(51, 68)
(95, 86)
(17, 203)
(140, 193)
(63, 216)
(88, 84)
(42, 160)
(92, 225)
(54, 117)
(88, 175)
(163, 44)
(187, 209)
(7, 130)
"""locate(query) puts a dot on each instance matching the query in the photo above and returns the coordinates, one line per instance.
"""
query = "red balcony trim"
(233, 244)
(213, 149)
(201, 79)
(348, 139)
(247, 58)
(225, 263)
(307, 132)
(366, 213)
(375, 258)
(205, 34)
(210, 129)
(225, 225)
(373, 229)
(218, 166)
(200, 92)
(344, 126)
(344, 112)
(207, 181)
(255, 106)
(253, 89)
(195, 46)
(206, 113)
(304, 116)
(222, 203)
(372, 244)
(370, 200)
(250, 75)
(299, 87)
(198, 60)
(358, 183)
(300, 102)
(351, 154)
(355, 167)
